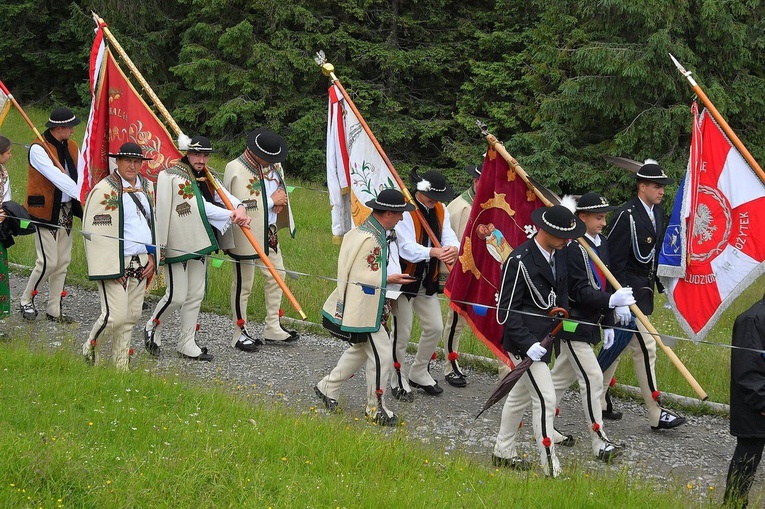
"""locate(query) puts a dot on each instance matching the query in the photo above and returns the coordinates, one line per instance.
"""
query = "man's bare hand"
(240, 217)
(149, 269)
(447, 254)
(400, 279)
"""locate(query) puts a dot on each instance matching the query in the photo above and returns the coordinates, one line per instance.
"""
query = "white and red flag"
(714, 247)
(5, 104)
(118, 114)
(356, 171)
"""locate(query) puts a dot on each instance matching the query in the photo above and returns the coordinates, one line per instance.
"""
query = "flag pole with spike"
(720, 120)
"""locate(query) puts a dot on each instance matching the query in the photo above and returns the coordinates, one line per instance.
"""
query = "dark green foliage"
(562, 82)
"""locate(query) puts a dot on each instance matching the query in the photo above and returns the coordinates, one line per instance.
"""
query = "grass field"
(312, 253)
(72, 436)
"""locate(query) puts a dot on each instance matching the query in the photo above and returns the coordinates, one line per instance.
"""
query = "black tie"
(552, 265)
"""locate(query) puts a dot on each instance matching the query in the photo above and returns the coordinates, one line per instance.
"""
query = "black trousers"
(741, 471)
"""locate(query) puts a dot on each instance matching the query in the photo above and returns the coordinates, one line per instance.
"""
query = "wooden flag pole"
(720, 120)
(329, 71)
(594, 257)
(46, 146)
(178, 132)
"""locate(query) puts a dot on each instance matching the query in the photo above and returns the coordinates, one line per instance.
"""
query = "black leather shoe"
(294, 336)
(455, 379)
(63, 319)
(204, 356)
(568, 440)
(402, 395)
(612, 415)
(669, 420)
(246, 343)
(609, 452)
(330, 403)
(148, 342)
(514, 463)
(433, 390)
(383, 419)
(28, 311)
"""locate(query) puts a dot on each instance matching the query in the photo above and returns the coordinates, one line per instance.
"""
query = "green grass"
(312, 252)
(75, 436)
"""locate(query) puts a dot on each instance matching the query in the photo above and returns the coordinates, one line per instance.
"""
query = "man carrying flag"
(54, 178)
(636, 231)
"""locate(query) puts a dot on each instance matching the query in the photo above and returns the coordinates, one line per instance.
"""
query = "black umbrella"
(506, 384)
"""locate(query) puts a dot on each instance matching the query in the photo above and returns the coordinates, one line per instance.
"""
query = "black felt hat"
(390, 199)
(267, 145)
(559, 222)
(474, 171)
(131, 150)
(652, 172)
(200, 144)
(433, 185)
(595, 203)
(62, 117)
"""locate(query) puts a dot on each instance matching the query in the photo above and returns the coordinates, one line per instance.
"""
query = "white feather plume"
(569, 202)
(183, 142)
(651, 161)
(423, 185)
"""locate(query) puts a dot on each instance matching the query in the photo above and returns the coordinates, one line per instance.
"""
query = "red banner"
(118, 115)
(500, 220)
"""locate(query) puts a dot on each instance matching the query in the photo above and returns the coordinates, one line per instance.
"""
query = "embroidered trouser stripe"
(428, 309)
(53, 254)
(376, 354)
(539, 384)
(104, 318)
(396, 379)
(452, 333)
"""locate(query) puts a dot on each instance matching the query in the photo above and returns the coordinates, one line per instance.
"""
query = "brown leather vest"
(43, 198)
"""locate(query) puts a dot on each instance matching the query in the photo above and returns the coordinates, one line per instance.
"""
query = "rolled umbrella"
(506, 384)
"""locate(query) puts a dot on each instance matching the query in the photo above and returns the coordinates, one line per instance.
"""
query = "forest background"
(562, 83)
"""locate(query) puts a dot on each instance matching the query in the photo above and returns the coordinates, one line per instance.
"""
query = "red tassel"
(281, 312)
(546, 442)
(397, 365)
(92, 342)
(197, 327)
(453, 356)
(156, 322)
(557, 412)
(612, 382)
(63, 294)
(595, 427)
(240, 323)
(434, 356)
(130, 352)
(34, 293)
(655, 395)
(379, 392)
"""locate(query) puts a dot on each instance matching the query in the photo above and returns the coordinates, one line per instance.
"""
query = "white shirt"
(137, 232)
(41, 161)
(272, 181)
(649, 210)
(394, 267)
(414, 252)
(597, 240)
(220, 217)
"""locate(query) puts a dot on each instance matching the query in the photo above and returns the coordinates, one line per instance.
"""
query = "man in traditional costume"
(189, 215)
(459, 213)
(53, 191)
(257, 179)
(420, 259)
(592, 301)
(356, 310)
(635, 234)
(534, 281)
(118, 226)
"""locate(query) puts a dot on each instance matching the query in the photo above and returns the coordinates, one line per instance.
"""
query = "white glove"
(623, 315)
(621, 297)
(536, 352)
(608, 338)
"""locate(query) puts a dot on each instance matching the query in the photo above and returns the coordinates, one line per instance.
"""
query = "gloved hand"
(608, 338)
(623, 315)
(536, 352)
(621, 297)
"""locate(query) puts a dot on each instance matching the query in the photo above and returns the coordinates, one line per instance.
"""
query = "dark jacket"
(626, 267)
(11, 227)
(520, 331)
(589, 302)
(747, 374)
